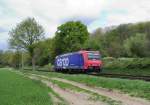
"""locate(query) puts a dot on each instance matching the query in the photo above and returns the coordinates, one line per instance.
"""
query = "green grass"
(16, 89)
(136, 88)
(67, 86)
(139, 72)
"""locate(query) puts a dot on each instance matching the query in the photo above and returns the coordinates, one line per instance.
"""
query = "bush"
(49, 67)
(1, 66)
(134, 44)
(130, 63)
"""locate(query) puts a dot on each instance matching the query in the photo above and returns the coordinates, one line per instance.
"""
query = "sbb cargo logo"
(63, 62)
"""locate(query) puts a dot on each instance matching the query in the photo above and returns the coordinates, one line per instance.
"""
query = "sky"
(52, 13)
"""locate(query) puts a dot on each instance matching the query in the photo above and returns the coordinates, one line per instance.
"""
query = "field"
(50, 88)
(18, 90)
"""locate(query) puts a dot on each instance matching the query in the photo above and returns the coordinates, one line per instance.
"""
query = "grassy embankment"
(16, 89)
(130, 66)
(136, 88)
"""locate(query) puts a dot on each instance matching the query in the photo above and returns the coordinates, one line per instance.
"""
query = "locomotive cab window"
(93, 56)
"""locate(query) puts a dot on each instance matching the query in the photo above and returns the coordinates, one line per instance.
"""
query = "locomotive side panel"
(69, 61)
(76, 61)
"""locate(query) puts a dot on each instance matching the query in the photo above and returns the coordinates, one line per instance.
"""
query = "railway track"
(133, 77)
(145, 78)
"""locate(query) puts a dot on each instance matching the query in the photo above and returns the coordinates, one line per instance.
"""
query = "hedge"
(130, 63)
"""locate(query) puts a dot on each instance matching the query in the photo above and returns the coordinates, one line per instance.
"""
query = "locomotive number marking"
(63, 62)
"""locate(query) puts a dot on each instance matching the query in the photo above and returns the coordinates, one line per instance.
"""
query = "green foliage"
(113, 45)
(123, 40)
(43, 52)
(70, 37)
(92, 44)
(9, 58)
(1, 53)
(15, 59)
(126, 63)
(135, 45)
(25, 35)
(48, 67)
(97, 41)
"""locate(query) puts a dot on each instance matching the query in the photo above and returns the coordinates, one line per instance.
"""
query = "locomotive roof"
(74, 53)
(68, 54)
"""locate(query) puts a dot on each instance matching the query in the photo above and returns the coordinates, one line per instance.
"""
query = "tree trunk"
(33, 63)
(31, 51)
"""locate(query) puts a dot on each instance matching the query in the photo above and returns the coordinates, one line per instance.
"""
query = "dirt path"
(72, 98)
(56, 100)
(125, 99)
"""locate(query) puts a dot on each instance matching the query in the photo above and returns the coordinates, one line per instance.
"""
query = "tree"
(1, 56)
(25, 35)
(44, 49)
(97, 41)
(70, 37)
(15, 59)
(135, 45)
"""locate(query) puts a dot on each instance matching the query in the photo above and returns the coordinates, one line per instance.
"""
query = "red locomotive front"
(92, 61)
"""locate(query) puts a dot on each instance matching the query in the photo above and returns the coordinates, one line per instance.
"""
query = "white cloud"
(50, 12)
(135, 11)
(3, 40)
(123, 11)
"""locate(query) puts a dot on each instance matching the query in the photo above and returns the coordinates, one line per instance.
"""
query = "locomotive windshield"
(93, 56)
